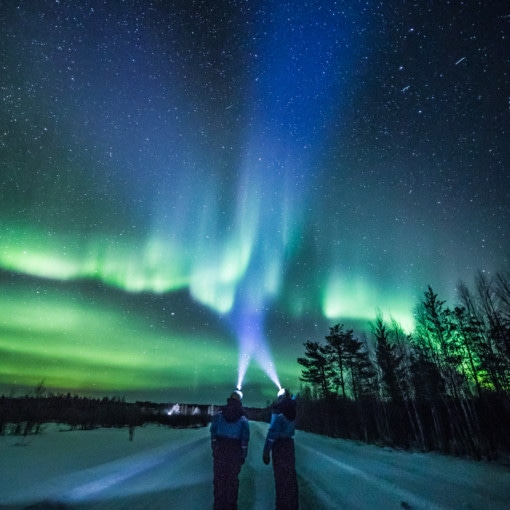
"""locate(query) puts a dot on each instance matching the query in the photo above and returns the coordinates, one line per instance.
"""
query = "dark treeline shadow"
(26, 415)
(443, 387)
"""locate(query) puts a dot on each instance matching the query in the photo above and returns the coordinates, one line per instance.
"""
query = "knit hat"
(237, 395)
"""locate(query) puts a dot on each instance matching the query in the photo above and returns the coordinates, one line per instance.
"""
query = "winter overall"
(229, 440)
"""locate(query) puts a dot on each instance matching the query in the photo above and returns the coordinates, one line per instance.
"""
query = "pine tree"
(317, 371)
(338, 341)
(388, 360)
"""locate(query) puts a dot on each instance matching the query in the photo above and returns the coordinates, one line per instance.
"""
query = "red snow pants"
(227, 466)
(285, 478)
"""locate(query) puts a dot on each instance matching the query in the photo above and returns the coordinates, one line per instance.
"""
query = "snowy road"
(165, 468)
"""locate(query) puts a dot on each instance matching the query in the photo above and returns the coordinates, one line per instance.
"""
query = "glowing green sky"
(88, 339)
(170, 169)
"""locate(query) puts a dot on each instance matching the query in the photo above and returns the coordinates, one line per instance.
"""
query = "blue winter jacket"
(282, 424)
(230, 423)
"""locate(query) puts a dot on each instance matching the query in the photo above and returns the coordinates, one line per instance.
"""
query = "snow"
(168, 468)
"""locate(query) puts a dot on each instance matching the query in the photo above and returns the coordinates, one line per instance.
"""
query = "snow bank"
(168, 468)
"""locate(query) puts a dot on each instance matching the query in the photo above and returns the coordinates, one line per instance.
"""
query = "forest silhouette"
(443, 387)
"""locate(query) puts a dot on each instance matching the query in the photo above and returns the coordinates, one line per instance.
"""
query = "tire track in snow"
(374, 482)
(88, 484)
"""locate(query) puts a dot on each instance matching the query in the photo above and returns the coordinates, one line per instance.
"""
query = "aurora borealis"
(186, 182)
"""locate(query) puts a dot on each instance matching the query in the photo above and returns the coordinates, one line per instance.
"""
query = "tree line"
(26, 415)
(444, 387)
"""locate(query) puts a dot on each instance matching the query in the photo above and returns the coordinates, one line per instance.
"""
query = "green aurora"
(168, 170)
(77, 338)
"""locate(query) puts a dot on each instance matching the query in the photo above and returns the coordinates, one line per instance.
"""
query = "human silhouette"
(280, 446)
(230, 434)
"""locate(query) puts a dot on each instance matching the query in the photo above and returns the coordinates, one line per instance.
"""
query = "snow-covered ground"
(164, 468)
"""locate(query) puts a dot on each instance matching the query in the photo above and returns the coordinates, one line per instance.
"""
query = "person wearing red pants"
(280, 445)
(230, 433)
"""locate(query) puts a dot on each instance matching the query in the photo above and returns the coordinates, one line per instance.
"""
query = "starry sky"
(192, 188)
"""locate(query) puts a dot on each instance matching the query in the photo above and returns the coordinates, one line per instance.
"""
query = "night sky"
(185, 184)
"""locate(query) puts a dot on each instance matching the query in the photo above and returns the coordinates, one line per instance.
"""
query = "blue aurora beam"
(291, 106)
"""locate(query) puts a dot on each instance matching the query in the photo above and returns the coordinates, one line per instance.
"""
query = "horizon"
(123, 360)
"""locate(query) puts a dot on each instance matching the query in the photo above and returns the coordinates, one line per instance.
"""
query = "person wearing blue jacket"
(230, 434)
(280, 445)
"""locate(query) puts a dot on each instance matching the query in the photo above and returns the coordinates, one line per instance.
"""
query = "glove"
(266, 457)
